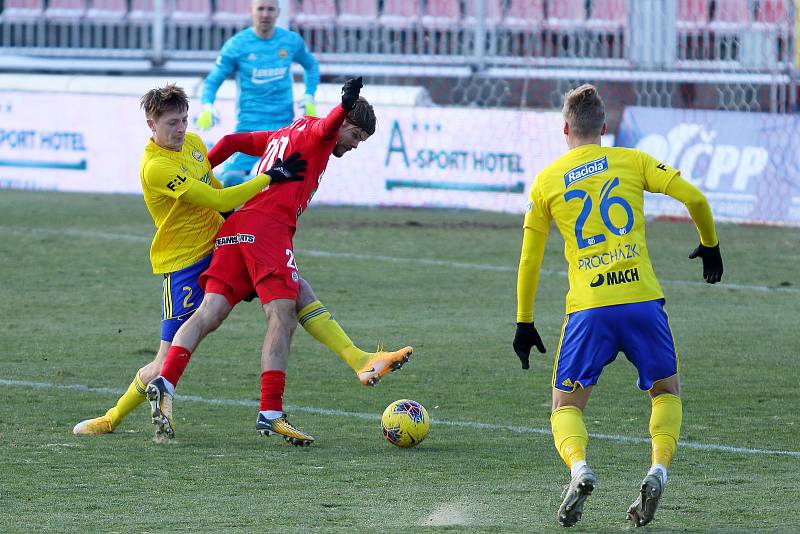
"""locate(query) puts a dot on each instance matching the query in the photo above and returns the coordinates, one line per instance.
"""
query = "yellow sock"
(569, 434)
(128, 401)
(665, 427)
(318, 322)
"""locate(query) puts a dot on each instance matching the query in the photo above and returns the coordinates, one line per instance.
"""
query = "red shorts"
(251, 254)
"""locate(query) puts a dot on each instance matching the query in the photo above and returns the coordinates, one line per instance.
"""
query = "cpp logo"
(694, 150)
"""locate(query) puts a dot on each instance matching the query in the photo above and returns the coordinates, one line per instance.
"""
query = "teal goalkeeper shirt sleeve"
(225, 65)
(310, 68)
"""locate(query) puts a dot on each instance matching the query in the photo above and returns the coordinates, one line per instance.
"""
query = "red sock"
(175, 363)
(272, 385)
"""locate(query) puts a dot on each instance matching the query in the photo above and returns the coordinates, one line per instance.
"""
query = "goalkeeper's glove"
(288, 169)
(208, 118)
(525, 338)
(350, 91)
(307, 105)
(712, 262)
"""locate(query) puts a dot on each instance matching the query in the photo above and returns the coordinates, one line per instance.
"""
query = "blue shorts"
(182, 296)
(591, 339)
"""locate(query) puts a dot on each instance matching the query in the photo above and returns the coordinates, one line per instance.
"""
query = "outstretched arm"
(201, 194)
(328, 128)
(252, 144)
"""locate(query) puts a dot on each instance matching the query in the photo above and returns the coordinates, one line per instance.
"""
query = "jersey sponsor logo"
(624, 251)
(661, 167)
(262, 76)
(614, 278)
(179, 180)
(251, 57)
(585, 170)
(234, 240)
(196, 154)
(283, 53)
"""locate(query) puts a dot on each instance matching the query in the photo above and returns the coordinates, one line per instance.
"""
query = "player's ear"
(603, 129)
(566, 128)
(151, 123)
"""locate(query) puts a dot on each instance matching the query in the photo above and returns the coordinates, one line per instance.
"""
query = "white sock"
(271, 414)
(577, 467)
(659, 470)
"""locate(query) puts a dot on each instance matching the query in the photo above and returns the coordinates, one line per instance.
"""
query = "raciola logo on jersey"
(613, 278)
(587, 169)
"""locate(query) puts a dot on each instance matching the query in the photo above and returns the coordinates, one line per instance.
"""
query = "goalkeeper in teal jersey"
(261, 56)
(594, 195)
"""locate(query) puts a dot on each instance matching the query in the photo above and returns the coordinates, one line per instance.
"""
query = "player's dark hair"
(158, 101)
(584, 111)
(363, 116)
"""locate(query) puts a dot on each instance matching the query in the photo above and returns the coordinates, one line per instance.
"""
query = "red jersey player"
(254, 252)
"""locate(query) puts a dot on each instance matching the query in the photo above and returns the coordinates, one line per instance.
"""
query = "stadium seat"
(524, 15)
(731, 14)
(232, 12)
(191, 11)
(492, 13)
(566, 14)
(107, 10)
(22, 9)
(314, 13)
(141, 11)
(773, 12)
(608, 14)
(65, 10)
(358, 13)
(692, 15)
(441, 14)
(399, 14)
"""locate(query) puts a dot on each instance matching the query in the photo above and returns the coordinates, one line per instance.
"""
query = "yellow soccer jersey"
(184, 232)
(595, 195)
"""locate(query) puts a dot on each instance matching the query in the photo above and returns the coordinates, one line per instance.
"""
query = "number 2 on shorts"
(290, 262)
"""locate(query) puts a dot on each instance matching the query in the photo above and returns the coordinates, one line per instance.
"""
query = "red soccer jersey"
(314, 138)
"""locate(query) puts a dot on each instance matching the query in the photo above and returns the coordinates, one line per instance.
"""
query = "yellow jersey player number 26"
(595, 196)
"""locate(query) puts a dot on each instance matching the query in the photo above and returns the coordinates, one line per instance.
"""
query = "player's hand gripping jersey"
(314, 138)
(595, 195)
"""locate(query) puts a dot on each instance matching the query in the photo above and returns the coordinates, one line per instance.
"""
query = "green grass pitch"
(80, 313)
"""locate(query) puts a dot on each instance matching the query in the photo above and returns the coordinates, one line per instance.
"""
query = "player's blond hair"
(584, 111)
(363, 116)
(158, 101)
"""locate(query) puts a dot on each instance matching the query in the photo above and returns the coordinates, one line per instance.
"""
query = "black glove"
(350, 92)
(712, 262)
(525, 338)
(288, 169)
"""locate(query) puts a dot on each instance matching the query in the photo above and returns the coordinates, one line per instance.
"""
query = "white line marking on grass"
(375, 417)
(391, 259)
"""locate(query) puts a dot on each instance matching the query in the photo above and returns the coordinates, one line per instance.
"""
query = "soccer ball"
(405, 423)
